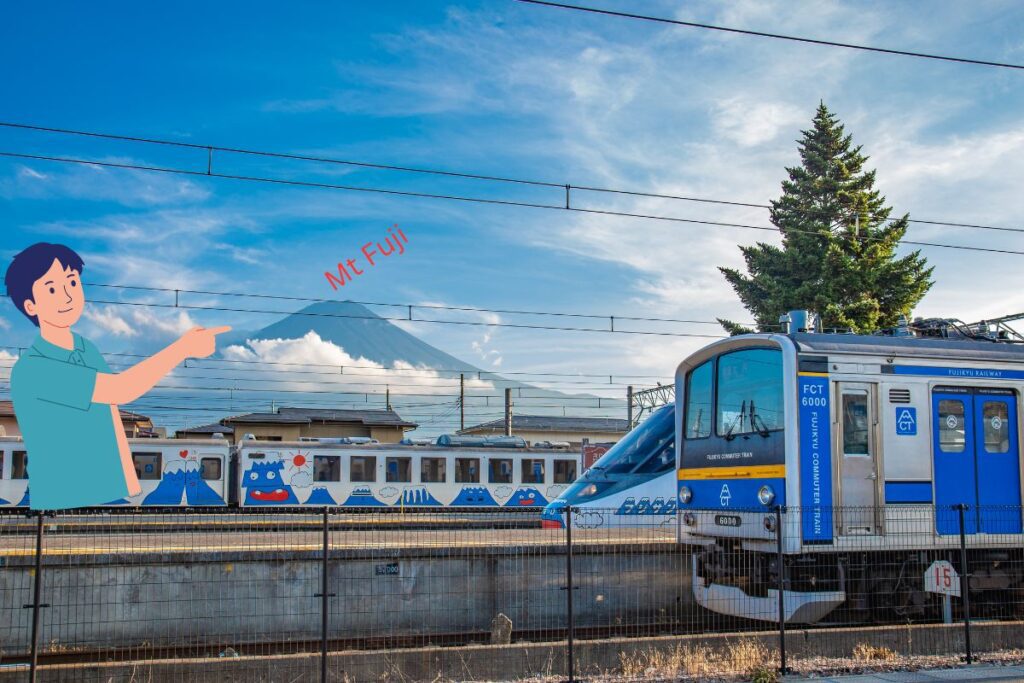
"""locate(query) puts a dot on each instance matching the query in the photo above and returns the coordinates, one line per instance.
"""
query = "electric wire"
(777, 36)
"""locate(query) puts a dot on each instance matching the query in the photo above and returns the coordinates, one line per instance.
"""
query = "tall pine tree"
(838, 253)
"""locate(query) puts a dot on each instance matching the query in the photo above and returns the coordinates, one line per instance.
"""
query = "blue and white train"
(632, 484)
(488, 473)
(871, 444)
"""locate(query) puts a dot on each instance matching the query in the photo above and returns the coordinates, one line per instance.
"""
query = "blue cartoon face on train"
(264, 485)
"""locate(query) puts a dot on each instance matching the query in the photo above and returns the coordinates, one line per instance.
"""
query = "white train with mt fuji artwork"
(212, 472)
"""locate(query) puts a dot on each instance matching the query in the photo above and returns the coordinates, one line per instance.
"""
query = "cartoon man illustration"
(66, 397)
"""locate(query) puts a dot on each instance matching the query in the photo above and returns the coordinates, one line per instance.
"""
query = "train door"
(858, 459)
(976, 460)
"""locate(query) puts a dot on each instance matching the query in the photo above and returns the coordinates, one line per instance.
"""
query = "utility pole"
(508, 411)
(629, 407)
(387, 396)
(462, 401)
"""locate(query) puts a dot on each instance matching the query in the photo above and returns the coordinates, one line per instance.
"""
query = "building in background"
(291, 424)
(135, 425)
(537, 428)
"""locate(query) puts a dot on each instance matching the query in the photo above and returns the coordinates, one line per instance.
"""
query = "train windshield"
(649, 448)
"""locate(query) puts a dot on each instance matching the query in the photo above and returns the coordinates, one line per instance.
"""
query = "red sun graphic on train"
(299, 460)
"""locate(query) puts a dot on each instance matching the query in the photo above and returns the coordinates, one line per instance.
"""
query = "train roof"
(875, 345)
(398, 448)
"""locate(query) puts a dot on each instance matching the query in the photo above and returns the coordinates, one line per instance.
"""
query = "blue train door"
(976, 460)
(956, 480)
(998, 459)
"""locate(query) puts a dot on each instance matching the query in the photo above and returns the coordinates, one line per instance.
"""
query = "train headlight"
(588, 491)
(766, 495)
(685, 495)
(689, 519)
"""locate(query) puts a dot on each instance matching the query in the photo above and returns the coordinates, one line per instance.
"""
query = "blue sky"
(496, 88)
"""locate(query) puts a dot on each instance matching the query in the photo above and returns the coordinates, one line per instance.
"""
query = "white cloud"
(136, 322)
(311, 349)
(5, 324)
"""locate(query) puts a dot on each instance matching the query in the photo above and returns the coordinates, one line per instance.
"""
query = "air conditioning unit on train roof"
(799, 321)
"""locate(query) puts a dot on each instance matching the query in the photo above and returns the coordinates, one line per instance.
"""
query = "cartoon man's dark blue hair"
(30, 265)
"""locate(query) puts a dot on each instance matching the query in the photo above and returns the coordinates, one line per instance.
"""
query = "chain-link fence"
(342, 594)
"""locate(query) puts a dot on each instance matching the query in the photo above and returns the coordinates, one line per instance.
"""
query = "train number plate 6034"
(727, 520)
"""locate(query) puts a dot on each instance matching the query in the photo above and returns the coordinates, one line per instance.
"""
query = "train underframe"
(855, 587)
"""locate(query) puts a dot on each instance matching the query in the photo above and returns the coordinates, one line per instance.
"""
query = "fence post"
(37, 588)
(568, 590)
(965, 582)
(780, 559)
(324, 595)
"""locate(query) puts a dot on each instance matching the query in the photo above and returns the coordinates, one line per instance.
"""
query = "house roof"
(291, 415)
(215, 428)
(7, 410)
(551, 423)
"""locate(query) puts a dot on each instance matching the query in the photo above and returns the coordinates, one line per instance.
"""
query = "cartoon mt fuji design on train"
(264, 486)
(526, 496)
(181, 479)
(320, 496)
(418, 495)
(362, 496)
(472, 496)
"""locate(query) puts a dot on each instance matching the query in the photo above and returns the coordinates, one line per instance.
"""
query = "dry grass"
(864, 652)
(742, 656)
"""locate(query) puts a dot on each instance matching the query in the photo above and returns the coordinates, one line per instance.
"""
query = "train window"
(362, 468)
(398, 469)
(662, 460)
(499, 471)
(533, 471)
(698, 402)
(855, 424)
(565, 471)
(467, 470)
(951, 426)
(209, 468)
(997, 427)
(147, 465)
(326, 468)
(19, 465)
(433, 470)
(749, 392)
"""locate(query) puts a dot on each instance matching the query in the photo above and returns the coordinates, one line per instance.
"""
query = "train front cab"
(878, 455)
(736, 407)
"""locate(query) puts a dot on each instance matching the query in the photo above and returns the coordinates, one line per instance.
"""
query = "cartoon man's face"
(57, 297)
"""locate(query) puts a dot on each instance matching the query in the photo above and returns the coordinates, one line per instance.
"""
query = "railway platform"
(984, 672)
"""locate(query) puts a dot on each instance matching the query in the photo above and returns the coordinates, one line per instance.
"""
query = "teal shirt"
(72, 448)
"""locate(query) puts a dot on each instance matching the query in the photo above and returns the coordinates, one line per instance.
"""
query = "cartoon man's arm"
(130, 477)
(126, 386)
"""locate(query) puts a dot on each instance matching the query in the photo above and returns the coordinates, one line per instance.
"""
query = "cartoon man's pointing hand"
(65, 395)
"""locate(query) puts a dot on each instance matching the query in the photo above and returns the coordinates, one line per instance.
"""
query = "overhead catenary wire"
(568, 186)
(468, 370)
(777, 36)
(483, 200)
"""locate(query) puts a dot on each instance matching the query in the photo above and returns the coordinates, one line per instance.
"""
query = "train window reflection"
(749, 392)
(209, 468)
(663, 460)
(326, 468)
(698, 402)
(147, 465)
(855, 424)
(467, 470)
(565, 471)
(951, 426)
(398, 469)
(636, 447)
(997, 427)
(432, 470)
(499, 471)
(533, 471)
(363, 468)
(19, 465)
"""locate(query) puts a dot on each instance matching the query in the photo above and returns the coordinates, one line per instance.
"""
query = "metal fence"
(340, 594)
